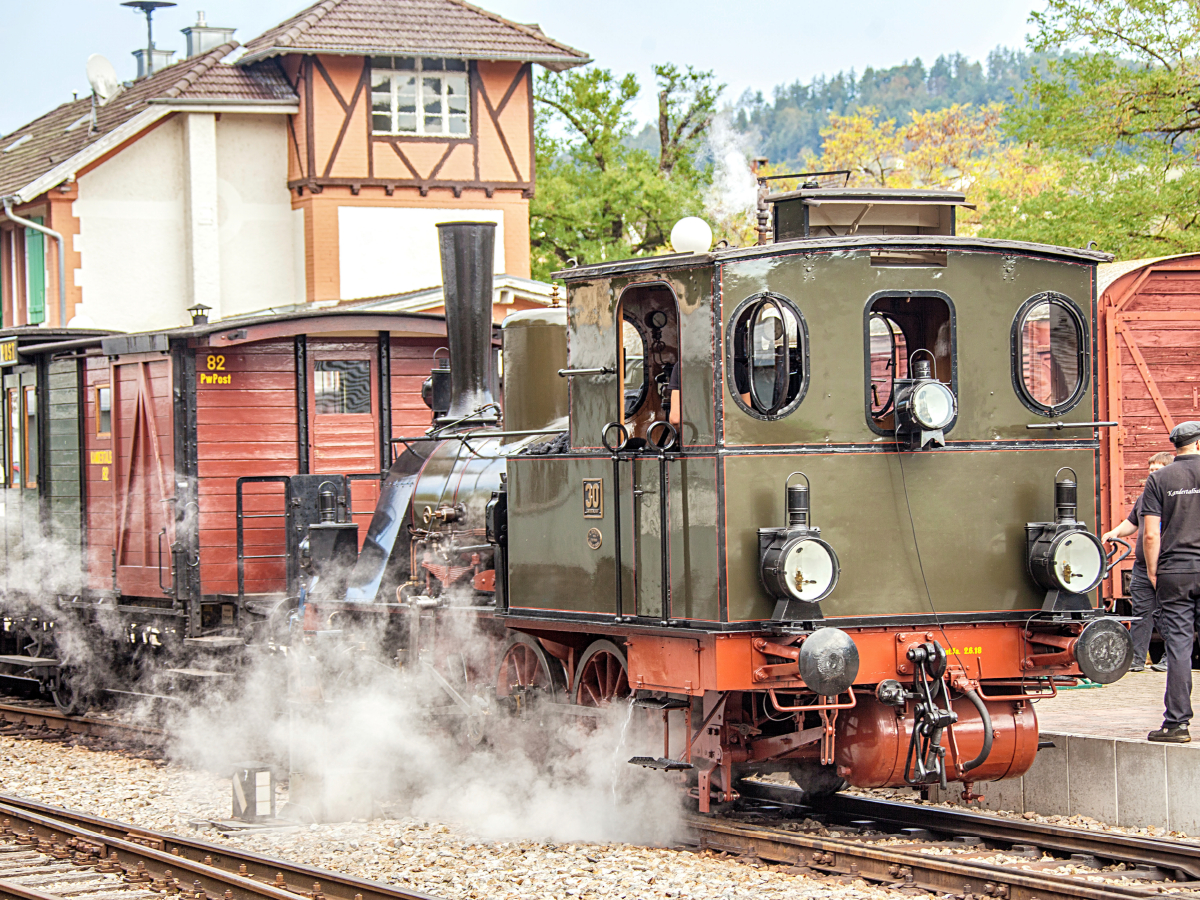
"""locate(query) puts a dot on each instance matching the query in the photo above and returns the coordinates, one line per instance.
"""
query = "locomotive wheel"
(526, 667)
(69, 698)
(33, 641)
(602, 677)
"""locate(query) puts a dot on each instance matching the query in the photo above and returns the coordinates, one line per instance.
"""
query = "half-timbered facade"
(411, 111)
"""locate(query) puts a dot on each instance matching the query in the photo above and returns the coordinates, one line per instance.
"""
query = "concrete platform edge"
(1114, 780)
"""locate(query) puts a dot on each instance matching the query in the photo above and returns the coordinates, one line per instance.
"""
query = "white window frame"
(389, 70)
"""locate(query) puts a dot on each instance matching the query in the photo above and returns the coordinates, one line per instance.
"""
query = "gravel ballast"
(444, 860)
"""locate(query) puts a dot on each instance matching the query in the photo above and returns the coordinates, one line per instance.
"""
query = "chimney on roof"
(162, 59)
(202, 37)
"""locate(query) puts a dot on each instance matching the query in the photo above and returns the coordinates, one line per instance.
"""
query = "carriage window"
(103, 411)
(633, 354)
(1049, 338)
(342, 386)
(768, 356)
(12, 418)
(897, 325)
(31, 437)
(889, 359)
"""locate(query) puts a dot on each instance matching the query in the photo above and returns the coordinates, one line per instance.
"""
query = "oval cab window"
(767, 356)
(1049, 339)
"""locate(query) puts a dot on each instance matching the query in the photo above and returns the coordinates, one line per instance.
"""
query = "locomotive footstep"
(667, 765)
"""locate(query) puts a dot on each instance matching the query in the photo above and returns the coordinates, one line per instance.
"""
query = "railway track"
(48, 723)
(962, 853)
(47, 853)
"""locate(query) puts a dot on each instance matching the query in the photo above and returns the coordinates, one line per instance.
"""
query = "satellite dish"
(102, 77)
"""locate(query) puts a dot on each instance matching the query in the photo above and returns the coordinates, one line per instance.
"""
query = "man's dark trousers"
(1145, 607)
(1179, 606)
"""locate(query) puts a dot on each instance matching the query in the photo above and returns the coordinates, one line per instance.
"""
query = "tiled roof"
(47, 142)
(411, 27)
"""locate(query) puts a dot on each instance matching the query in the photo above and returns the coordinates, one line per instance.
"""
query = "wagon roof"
(812, 245)
(1109, 274)
(248, 329)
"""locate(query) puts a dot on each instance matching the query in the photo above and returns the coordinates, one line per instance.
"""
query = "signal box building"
(310, 169)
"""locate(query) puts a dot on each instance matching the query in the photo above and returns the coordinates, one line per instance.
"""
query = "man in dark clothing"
(1171, 525)
(1141, 591)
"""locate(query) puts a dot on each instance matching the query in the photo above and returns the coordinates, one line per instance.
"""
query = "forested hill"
(788, 127)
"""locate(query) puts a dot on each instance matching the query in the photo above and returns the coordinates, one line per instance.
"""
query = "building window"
(768, 356)
(103, 411)
(1049, 346)
(897, 325)
(411, 95)
(342, 386)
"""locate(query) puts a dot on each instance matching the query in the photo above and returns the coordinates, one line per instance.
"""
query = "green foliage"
(599, 198)
(789, 129)
(1120, 120)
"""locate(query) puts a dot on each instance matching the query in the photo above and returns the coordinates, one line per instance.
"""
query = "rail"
(1177, 857)
(160, 859)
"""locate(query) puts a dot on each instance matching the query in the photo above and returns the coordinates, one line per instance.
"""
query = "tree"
(599, 198)
(960, 147)
(1120, 120)
(686, 103)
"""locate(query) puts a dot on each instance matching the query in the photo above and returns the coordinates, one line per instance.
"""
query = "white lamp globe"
(81, 320)
(691, 235)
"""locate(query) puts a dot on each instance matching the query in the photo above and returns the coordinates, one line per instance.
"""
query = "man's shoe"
(1137, 668)
(1158, 667)
(1170, 734)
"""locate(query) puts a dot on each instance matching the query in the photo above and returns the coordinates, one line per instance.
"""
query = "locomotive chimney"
(467, 252)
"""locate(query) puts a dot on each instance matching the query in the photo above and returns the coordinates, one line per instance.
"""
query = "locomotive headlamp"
(925, 407)
(1064, 557)
(796, 567)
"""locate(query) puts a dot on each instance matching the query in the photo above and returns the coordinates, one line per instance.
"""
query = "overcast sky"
(749, 45)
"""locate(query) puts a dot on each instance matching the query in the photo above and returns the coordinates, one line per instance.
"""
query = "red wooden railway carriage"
(203, 449)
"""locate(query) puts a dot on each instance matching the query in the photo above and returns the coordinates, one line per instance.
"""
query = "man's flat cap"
(1185, 433)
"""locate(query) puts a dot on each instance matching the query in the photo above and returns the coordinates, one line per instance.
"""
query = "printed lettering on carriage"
(206, 378)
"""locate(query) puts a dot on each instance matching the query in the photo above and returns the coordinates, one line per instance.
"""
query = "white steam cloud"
(730, 200)
(354, 728)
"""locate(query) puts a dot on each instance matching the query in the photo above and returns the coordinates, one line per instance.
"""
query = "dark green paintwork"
(591, 319)
(832, 290)
(535, 348)
(969, 510)
(552, 566)
(969, 503)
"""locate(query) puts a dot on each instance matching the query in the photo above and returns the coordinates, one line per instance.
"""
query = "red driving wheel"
(526, 667)
(602, 676)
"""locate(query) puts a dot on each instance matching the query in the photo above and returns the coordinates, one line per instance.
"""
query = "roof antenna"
(148, 7)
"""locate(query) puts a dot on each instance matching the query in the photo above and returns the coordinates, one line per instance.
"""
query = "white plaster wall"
(389, 250)
(132, 239)
(254, 213)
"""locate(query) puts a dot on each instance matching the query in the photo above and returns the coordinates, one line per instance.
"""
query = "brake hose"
(988, 733)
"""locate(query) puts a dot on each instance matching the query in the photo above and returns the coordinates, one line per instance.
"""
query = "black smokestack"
(467, 252)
